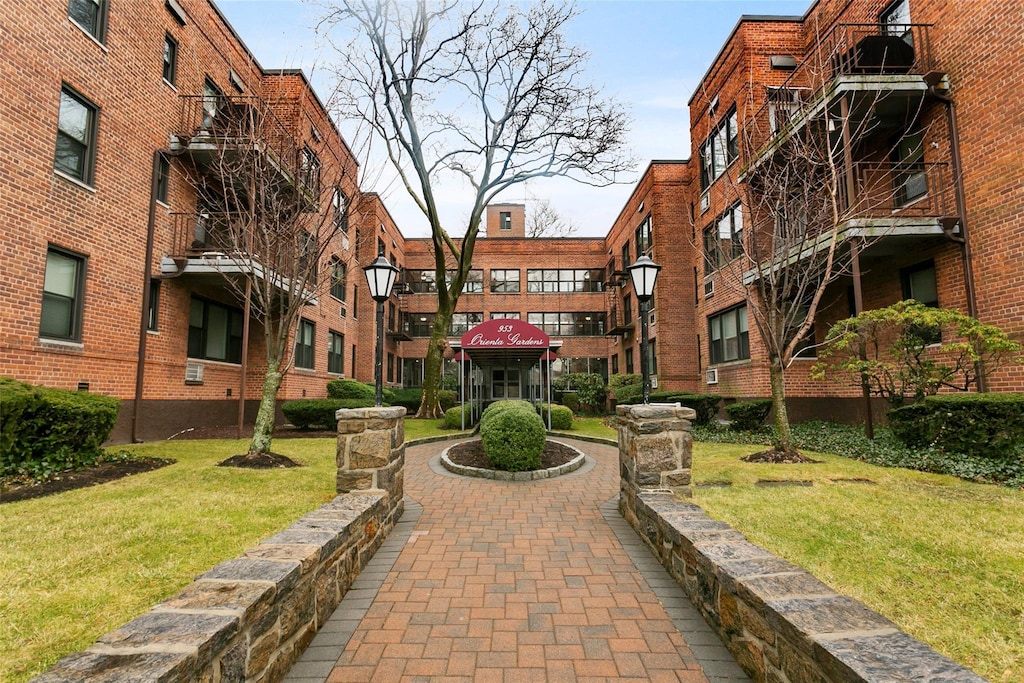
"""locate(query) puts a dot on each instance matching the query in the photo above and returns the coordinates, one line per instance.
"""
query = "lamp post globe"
(644, 274)
(380, 278)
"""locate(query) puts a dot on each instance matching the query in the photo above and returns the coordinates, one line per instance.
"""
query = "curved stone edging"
(499, 475)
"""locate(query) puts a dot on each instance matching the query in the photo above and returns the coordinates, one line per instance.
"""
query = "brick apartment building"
(98, 145)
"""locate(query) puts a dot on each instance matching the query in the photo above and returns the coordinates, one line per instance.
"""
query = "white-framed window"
(723, 240)
(504, 281)
(76, 136)
(728, 335)
(719, 150)
(895, 20)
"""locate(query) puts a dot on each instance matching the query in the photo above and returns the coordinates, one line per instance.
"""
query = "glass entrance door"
(505, 383)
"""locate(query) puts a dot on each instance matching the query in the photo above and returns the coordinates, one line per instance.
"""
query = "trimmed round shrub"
(349, 388)
(747, 416)
(453, 417)
(512, 436)
(561, 416)
(570, 400)
(44, 431)
(319, 412)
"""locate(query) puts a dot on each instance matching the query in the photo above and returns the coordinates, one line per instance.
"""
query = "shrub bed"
(350, 388)
(512, 435)
(319, 412)
(44, 431)
(561, 416)
(453, 418)
(990, 425)
(749, 415)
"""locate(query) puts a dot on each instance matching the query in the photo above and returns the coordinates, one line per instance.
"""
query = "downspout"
(961, 209)
(140, 368)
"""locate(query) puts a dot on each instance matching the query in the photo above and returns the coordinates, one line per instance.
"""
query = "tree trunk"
(268, 405)
(430, 405)
(783, 439)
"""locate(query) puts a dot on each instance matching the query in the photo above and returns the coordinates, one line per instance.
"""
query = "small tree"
(913, 351)
(545, 221)
(268, 212)
(591, 390)
(477, 95)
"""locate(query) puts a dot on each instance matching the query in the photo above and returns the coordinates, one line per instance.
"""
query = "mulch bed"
(259, 461)
(67, 481)
(471, 454)
(776, 457)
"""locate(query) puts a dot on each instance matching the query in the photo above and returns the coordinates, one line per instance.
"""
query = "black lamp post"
(380, 276)
(644, 273)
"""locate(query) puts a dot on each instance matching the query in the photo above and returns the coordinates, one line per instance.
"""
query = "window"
(381, 247)
(627, 309)
(307, 263)
(152, 313)
(625, 256)
(895, 20)
(418, 324)
(461, 322)
(309, 169)
(76, 136)
(421, 281)
(391, 367)
(212, 100)
(339, 205)
(909, 180)
(564, 280)
(91, 15)
(474, 282)
(335, 352)
(643, 238)
(214, 331)
(783, 103)
(505, 281)
(574, 324)
(615, 364)
(652, 357)
(392, 316)
(305, 335)
(170, 59)
(505, 220)
(339, 278)
(63, 295)
(629, 361)
(412, 372)
(355, 301)
(919, 283)
(505, 316)
(728, 335)
(719, 150)
(163, 178)
(723, 241)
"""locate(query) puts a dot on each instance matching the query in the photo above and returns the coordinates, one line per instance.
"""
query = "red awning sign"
(505, 333)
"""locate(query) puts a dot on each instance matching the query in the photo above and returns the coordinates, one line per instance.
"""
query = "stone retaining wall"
(781, 623)
(249, 619)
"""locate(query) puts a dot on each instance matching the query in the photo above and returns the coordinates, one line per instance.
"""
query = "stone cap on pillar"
(371, 413)
(655, 411)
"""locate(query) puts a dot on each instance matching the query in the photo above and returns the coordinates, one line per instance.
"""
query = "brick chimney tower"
(505, 220)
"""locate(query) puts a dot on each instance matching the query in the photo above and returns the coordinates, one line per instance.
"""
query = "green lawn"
(76, 565)
(941, 557)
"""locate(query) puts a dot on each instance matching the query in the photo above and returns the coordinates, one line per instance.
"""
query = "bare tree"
(268, 215)
(480, 95)
(545, 221)
(822, 176)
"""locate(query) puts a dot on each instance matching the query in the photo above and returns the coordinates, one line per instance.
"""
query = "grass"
(76, 565)
(941, 557)
(591, 426)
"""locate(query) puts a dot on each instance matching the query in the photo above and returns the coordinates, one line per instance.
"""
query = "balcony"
(220, 133)
(617, 324)
(615, 272)
(879, 74)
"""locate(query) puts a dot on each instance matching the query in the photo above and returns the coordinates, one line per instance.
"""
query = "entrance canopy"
(505, 340)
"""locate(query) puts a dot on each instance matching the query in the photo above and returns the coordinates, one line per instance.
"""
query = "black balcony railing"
(891, 190)
(199, 233)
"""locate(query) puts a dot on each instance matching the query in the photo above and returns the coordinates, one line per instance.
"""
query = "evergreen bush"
(44, 431)
(705, 405)
(747, 416)
(453, 417)
(513, 436)
(990, 425)
(350, 388)
(319, 412)
(561, 416)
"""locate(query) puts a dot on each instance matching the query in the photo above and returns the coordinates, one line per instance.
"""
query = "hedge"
(350, 388)
(512, 436)
(990, 425)
(319, 412)
(747, 416)
(561, 416)
(453, 417)
(44, 431)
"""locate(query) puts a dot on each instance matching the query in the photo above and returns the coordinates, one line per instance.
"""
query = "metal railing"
(887, 189)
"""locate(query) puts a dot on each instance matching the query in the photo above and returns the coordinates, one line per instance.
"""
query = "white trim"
(71, 179)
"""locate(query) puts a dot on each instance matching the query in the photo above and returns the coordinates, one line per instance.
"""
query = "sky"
(649, 54)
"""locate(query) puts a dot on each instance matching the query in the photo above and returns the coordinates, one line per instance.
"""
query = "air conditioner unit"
(711, 376)
(194, 373)
(343, 310)
(654, 381)
(650, 318)
(709, 289)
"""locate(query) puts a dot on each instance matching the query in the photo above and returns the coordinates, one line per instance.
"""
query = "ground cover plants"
(941, 557)
(78, 564)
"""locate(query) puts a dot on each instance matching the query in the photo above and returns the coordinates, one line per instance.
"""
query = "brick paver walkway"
(512, 581)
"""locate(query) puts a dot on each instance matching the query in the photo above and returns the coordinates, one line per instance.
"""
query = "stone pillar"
(371, 450)
(655, 451)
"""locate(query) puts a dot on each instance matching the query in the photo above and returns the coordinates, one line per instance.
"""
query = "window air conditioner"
(194, 373)
(711, 376)
(654, 381)
(709, 289)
